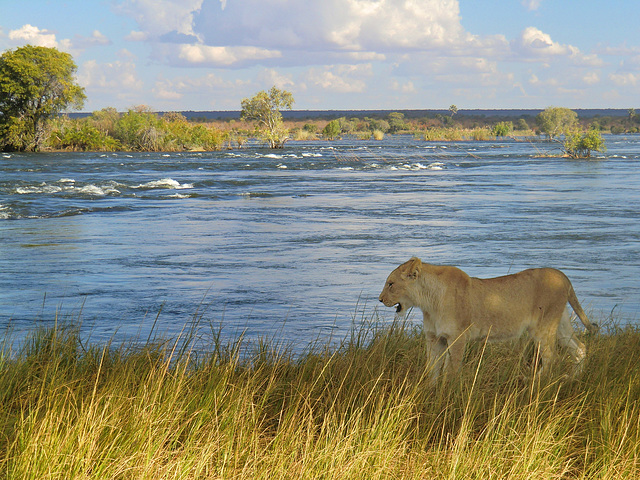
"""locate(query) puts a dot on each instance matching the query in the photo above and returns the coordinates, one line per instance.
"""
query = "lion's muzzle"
(387, 303)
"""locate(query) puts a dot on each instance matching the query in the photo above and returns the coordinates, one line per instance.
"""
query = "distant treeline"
(583, 113)
(140, 129)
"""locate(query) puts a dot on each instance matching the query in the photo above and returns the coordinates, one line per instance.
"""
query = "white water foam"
(169, 183)
(42, 188)
(419, 166)
(5, 212)
(68, 185)
(92, 190)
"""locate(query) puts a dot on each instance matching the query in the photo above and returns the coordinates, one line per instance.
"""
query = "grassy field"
(361, 409)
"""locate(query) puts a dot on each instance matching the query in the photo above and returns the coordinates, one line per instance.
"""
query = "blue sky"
(341, 54)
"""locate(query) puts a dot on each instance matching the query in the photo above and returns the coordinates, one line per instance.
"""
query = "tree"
(555, 121)
(332, 130)
(453, 110)
(631, 113)
(521, 124)
(396, 122)
(36, 84)
(377, 124)
(264, 109)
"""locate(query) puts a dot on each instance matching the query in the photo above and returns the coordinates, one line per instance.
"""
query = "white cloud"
(536, 45)
(119, 76)
(591, 78)
(136, 36)
(223, 56)
(531, 4)
(184, 90)
(34, 36)
(29, 34)
(339, 78)
(418, 49)
(80, 42)
(364, 56)
(271, 76)
(536, 42)
(233, 33)
(163, 93)
(157, 17)
(625, 79)
(404, 24)
(549, 82)
(403, 86)
(372, 26)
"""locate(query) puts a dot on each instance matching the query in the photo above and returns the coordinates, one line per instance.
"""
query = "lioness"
(457, 308)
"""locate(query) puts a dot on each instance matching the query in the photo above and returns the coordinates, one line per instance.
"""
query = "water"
(296, 244)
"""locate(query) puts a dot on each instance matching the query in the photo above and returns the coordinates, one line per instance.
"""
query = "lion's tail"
(573, 301)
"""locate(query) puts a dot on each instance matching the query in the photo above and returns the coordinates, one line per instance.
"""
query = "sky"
(340, 54)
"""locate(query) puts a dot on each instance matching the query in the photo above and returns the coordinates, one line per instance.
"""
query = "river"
(296, 244)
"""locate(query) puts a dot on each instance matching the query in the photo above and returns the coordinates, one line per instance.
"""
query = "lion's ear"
(413, 268)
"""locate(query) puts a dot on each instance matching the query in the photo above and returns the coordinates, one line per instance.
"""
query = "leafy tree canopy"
(332, 130)
(397, 122)
(555, 121)
(264, 109)
(36, 84)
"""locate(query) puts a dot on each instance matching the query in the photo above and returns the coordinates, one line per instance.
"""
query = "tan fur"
(457, 308)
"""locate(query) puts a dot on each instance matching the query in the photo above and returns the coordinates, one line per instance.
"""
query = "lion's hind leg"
(544, 334)
(568, 339)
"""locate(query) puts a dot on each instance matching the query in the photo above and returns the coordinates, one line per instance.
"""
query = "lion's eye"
(390, 284)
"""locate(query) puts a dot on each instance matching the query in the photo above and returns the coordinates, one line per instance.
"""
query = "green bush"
(140, 130)
(580, 145)
(480, 134)
(502, 129)
(81, 135)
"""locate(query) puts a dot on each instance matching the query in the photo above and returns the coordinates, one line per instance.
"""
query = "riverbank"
(360, 409)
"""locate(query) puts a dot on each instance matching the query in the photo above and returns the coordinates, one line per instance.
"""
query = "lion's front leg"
(455, 352)
(436, 355)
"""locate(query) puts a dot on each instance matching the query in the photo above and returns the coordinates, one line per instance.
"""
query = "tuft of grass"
(481, 134)
(378, 135)
(363, 408)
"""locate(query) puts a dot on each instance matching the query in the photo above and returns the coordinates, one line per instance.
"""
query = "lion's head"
(399, 290)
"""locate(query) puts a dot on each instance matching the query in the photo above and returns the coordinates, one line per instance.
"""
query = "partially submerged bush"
(580, 145)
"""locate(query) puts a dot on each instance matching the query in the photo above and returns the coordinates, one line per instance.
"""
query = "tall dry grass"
(360, 409)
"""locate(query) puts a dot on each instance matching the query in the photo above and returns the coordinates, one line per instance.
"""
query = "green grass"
(361, 409)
